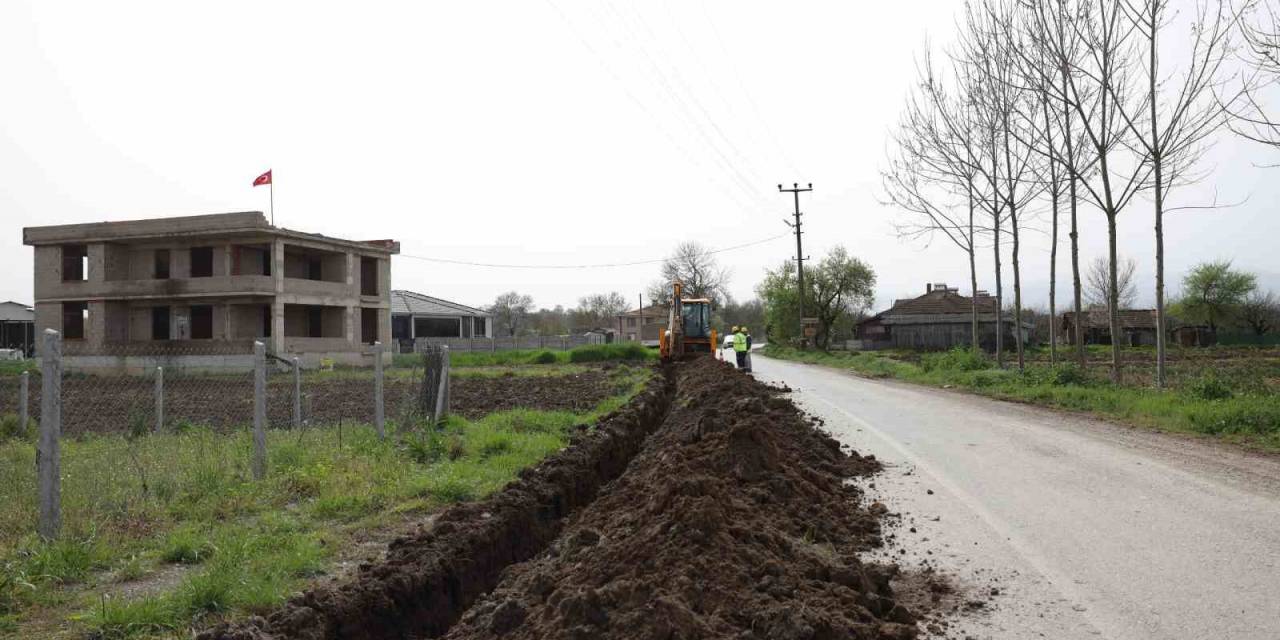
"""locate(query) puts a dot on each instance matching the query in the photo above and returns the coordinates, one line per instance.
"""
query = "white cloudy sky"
(543, 132)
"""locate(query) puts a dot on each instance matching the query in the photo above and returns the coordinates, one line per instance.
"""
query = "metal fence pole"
(442, 392)
(297, 393)
(48, 454)
(24, 412)
(377, 390)
(159, 399)
(259, 410)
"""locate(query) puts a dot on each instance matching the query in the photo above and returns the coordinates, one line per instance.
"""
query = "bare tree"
(1261, 312)
(510, 309)
(695, 267)
(599, 310)
(1259, 28)
(1098, 286)
(991, 46)
(1181, 115)
(932, 174)
(1099, 87)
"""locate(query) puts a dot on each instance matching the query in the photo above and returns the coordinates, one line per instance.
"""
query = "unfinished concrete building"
(197, 291)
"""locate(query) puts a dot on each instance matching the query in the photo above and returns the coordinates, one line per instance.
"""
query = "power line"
(580, 266)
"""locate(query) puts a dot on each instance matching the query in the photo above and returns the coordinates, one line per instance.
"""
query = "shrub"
(957, 359)
(10, 426)
(1209, 386)
(1059, 375)
(544, 357)
(617, 351)
(1242, 415)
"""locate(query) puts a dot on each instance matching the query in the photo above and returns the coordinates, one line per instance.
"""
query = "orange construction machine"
(688, 329)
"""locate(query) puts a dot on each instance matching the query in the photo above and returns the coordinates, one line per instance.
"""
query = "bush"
(1209, 386)
(1058, 375)
(10, 426)
(544, 357)
(617, 351)
(957, 359)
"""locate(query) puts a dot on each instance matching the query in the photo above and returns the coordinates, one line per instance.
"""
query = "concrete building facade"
(199, 290)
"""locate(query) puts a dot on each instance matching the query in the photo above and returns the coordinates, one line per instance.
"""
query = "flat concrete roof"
(216, 224)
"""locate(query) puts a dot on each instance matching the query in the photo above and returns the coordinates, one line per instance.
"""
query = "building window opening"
(266, 321)
(368, 325)
(75, 263)
(368, 276)
(315, 268)
(202, 322)
(160, 323)
(162, 264)
(315, 322)
(201, 262)
(75, 316)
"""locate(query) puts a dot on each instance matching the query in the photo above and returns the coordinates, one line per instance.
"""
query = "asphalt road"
(1087, 529)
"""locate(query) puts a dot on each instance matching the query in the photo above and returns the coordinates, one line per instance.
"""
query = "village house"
(938, 320)
(1138, 327)
(644, 325)
(17, 329)
(415, 315)
(196, 291)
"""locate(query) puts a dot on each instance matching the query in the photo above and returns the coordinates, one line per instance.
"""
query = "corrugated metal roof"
(406, 302)
(940, 301)
(16, 312)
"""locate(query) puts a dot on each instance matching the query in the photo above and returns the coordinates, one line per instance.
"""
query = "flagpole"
(271, 197)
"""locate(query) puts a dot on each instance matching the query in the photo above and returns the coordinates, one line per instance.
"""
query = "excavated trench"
(709, 507)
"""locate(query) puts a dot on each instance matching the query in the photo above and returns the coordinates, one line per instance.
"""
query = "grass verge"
(167, 531)
(1238, 406)
(623, 352)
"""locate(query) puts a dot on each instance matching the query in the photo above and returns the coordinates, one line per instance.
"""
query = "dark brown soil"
(429, 578)
(105, 404)
(732, 520)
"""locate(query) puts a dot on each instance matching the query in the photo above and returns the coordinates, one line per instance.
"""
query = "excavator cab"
(689, 329)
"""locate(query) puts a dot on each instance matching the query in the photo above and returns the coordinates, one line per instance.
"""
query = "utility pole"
(796, 190)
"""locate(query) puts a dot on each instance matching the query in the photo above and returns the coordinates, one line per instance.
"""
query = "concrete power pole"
(795, 191)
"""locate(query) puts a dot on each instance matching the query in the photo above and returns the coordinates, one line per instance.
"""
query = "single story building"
(17, 328)
(415, 315)
(644, 325)
(939, 320)
(1138, 327)
(1194, 335)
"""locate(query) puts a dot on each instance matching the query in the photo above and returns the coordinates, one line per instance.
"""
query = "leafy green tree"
(838, 287)
(1212, 292)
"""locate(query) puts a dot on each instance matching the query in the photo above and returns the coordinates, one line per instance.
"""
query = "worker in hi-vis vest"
(740, 347)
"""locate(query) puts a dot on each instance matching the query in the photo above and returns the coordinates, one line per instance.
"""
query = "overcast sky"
(543, 132)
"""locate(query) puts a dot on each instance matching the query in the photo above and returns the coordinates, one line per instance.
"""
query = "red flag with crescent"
(263, 179)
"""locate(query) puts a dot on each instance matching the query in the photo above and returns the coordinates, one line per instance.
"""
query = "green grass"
(187, 502)
(623, 351)
(1234, 402)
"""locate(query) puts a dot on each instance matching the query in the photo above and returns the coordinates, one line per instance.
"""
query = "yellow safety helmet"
(735, 328)
(743, 328)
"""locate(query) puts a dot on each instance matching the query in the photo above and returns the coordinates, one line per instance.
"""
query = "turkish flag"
(263, 179)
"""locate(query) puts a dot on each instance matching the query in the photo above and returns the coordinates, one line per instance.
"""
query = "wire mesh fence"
(135, 391)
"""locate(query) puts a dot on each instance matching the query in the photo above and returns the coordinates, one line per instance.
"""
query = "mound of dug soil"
(734, 521)
(429, 578)
(720, 512)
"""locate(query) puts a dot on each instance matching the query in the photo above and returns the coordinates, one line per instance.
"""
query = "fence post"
(297, 393)
(159, 399)
(564, 343)
(493, 344)
(442, 392)
(48, 454)
(24, 413)
(377, 390)
(259, 410)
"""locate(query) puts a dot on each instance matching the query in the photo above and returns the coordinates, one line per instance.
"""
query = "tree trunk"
(973, 279)
(995, 248)
(1113, 298)
(1157, 167)
(1068, 140)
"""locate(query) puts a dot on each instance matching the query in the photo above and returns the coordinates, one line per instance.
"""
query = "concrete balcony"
(322, 291)
(146, 289)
